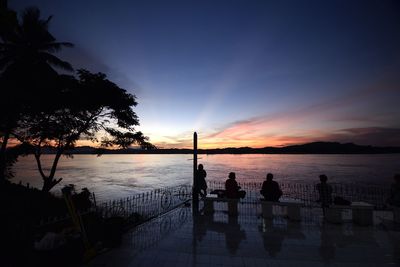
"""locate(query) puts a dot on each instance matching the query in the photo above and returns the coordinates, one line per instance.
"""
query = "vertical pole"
(195, 195)
(195, 200)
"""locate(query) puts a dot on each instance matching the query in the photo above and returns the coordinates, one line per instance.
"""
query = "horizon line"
(248, 147)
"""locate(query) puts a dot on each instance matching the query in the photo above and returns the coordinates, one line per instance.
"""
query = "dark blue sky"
(242, 73)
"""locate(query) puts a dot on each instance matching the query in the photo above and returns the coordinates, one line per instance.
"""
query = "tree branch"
(39, 164)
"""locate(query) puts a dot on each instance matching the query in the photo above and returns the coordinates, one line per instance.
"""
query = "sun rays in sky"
(244, 73)
(340, 119)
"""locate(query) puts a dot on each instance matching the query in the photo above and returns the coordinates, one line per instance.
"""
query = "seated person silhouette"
(270, 189)
(232, 189)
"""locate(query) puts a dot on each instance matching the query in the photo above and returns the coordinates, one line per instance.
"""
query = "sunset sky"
(243, 73)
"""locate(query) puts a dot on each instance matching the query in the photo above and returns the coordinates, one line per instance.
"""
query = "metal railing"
(144, 206)
(147, 205)
(135, 209)
(375, 195)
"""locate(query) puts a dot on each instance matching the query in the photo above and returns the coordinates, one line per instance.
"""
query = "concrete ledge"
(362, 213)
(293, 208)
(211, 198)
(396, 214)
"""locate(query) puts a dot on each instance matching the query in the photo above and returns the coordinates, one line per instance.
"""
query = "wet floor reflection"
(327, 249)
(275, 231)
(180, 238)
(338, 240)
(223, 223)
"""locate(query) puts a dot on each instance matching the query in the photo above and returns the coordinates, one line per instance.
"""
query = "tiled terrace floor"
(181, 239)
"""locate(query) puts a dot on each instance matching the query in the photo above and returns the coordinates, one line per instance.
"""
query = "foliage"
(46, 109)
(82, 200)
(89, 106)
(11, 157)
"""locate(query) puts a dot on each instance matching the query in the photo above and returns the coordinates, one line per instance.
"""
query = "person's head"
(201, 167)
(270, 176)
(397, 178)
(232, 175)
(323, 178)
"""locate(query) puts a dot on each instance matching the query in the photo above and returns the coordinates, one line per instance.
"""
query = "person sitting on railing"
(325, 192)
(232, 189)
(270, 189)
(394, 198)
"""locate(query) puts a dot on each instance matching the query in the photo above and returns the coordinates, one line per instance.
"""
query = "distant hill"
(309, 148)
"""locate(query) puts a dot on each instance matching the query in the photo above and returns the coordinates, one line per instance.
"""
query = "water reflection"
(115, 176)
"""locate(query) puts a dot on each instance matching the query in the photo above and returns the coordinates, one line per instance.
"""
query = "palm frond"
(55, 46)
(48, 20)
(55, 61)
(30, 14)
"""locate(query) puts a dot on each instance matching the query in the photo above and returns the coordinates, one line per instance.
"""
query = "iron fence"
(135, 209)
(144, 206)
(147, 205)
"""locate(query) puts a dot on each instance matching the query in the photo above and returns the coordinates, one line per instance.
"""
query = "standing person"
(200, 181)
(232, 189)
(270, 189)
(325, 192)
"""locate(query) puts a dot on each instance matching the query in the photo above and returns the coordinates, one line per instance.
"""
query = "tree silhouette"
(26, 66)
(8, 18)
(91, 107)
(30, 42)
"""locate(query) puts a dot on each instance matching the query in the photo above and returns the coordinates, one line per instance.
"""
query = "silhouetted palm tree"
(31, 43)
(27, 69)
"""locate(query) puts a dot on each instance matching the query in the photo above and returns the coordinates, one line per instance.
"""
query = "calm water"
(114, 176)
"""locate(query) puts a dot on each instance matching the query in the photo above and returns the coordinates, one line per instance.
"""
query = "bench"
(362, 213)
(396, 214)
(293, 208)
(211, 198)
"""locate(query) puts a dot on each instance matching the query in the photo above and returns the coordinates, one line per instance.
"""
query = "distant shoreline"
(310, 148)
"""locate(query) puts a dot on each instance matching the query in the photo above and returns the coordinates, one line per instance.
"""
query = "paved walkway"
(181, 239)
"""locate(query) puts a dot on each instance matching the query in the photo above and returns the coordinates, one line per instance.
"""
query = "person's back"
(200, 181)
(232, 187)
(270, 189)
(325, 191)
